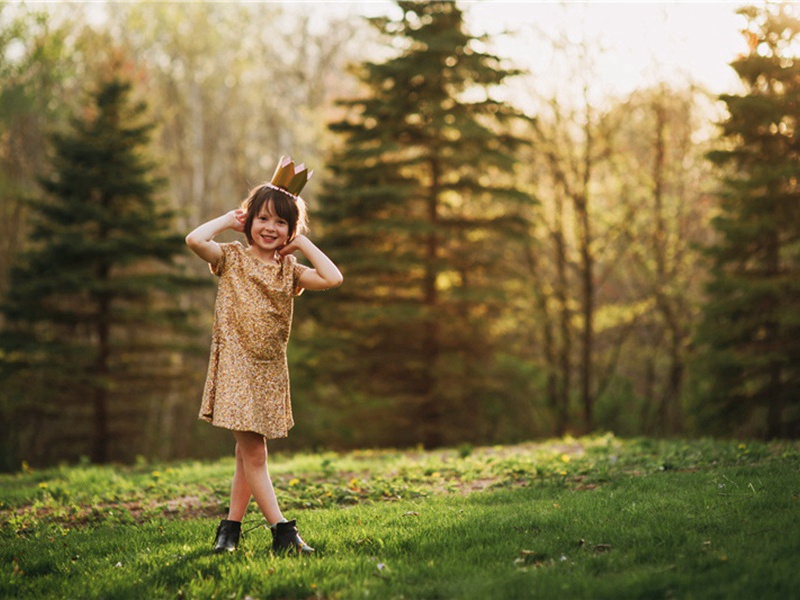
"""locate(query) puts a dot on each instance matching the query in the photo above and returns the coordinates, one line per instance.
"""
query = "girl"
(247, 388)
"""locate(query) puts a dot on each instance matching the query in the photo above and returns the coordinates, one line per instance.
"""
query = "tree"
(572, 150)
(421, 216)
(33, 68)
(92, 320)
(750, 329)
(656, 280)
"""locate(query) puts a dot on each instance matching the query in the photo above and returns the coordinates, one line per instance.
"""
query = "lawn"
(597, 517)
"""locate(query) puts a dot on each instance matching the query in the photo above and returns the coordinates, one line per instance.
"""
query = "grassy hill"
(596, 517)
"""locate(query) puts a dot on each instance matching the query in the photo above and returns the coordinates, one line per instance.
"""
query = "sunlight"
(633, 44)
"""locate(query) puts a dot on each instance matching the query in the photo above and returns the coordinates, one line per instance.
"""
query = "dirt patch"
(182, 507)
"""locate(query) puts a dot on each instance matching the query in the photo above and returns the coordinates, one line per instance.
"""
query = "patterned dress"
(247, 387)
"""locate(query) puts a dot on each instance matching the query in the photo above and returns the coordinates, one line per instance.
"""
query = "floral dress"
(247, 387)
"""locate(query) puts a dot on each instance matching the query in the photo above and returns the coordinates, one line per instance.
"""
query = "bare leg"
(252, 447)
(240, 491)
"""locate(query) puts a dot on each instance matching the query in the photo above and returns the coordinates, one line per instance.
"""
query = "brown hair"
(290, 208)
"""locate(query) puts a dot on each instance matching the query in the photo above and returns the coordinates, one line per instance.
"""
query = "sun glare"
(631, 44)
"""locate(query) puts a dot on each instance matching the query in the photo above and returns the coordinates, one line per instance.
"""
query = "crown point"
(289, 177)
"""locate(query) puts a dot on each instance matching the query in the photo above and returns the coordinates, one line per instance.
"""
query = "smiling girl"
(247, 387)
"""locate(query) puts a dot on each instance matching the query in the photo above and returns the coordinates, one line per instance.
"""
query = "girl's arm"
(201, 240)
(324, 275)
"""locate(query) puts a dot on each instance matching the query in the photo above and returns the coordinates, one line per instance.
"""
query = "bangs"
(292, 210)
(285, 207)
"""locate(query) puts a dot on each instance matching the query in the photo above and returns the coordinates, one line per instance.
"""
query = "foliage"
(751, 327)
(34, 70)
(422, 217)
(613, 276)
(586, 318)
(598, 517)
(658, 275)
(93, 325)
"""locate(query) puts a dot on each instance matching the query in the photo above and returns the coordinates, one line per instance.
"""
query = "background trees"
(750, 323)
(33, 71)
(92, 331)
(613, 278)
(507, 278)
(421, 213)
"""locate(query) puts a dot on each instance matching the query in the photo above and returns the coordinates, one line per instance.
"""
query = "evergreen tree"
(419, 212)
(751, 322)
(90, 341)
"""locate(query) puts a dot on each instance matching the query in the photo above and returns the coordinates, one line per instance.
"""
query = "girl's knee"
(253, 451)
(237, 452)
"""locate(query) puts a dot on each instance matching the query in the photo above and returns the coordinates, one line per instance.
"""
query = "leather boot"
(286, 539)
(227, 536)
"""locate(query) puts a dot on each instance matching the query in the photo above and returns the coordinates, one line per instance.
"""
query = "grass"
(594, 517)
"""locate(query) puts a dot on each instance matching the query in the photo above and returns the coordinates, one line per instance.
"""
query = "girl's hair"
(292, 209)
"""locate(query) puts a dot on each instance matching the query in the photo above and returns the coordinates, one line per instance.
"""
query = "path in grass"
(88, 494)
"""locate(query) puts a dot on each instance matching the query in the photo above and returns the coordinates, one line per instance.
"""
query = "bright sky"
(645, 41)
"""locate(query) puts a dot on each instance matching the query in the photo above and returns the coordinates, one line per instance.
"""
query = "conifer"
(751, 324)
(93, 317)
(420, 212)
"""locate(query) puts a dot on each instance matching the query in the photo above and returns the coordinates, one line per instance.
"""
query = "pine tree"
(419, 213)
(751, 323)
(92, 318)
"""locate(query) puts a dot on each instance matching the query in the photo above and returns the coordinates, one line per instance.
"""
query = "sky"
(644, 41)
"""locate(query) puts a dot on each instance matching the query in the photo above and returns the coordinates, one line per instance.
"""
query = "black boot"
(285, 539)
(227, 536)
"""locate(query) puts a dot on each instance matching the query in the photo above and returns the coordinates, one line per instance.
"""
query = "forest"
(566, 264)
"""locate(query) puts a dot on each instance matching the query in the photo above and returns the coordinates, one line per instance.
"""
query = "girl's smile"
(269, 232)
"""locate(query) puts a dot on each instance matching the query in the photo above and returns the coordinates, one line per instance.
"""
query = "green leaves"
(750, 347)
(419, 213)
(92, 302)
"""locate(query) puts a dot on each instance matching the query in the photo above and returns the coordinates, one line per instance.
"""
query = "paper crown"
(289, 178)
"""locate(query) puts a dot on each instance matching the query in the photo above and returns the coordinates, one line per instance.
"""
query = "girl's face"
(269, 231)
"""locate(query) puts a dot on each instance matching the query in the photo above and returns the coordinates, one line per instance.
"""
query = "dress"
(247, 387)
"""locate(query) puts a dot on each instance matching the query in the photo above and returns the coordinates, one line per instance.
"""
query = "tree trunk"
(774, 388)
(431, 413)
(565, 356)
(675, 383)
(581, 204)
(587, 311)
(101, 436)
(548, 340)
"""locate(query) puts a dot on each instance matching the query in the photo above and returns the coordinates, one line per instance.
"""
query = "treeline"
(576, 265)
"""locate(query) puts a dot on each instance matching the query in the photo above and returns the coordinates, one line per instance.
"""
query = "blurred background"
(552, 218)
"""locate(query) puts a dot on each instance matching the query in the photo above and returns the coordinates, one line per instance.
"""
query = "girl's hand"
(237, 218)
(201, 240)
(323, 275)
(296, 244)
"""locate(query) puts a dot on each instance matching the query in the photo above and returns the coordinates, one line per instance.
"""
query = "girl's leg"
(252, 447)
(240, 491)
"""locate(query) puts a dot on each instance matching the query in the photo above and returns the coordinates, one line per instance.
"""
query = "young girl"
(247, 388)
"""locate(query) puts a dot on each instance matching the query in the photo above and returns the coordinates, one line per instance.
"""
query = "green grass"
(595, 517)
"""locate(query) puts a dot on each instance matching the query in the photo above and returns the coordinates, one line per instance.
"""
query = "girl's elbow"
(337, 280)
(191, 240)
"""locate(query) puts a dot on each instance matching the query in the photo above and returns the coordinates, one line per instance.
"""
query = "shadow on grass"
(169, 578)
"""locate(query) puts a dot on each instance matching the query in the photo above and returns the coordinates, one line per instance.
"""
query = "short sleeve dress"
(247, 386)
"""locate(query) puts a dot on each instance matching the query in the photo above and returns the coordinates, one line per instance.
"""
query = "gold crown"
(290, 178)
